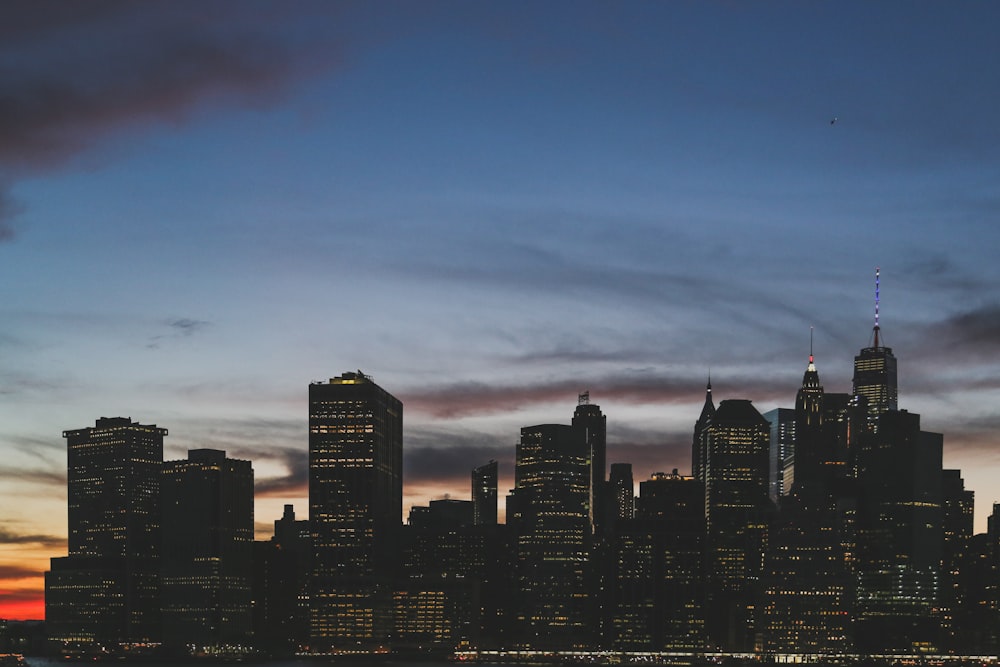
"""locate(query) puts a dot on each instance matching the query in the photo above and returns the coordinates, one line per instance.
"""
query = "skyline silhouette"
(492, 209)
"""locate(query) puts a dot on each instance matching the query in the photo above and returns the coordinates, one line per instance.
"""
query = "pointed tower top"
(709, 408)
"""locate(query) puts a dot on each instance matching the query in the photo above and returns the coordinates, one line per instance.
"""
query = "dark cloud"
(61, 106)
(38, 476)
(22, 595)
(17, 572)
(474, 398)
(8, 536)
(76, 73)
(8, 210)
(295, 482)
(451, 466)
(178, 328)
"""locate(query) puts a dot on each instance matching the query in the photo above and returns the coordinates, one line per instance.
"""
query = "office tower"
(698, 444)
(737, 508)
(657, 592)
(957, 506)
(104, 596)
(445, 560)
(875, 371)
(621, 492)
(550, 512)
(281, 587)
(207, 504)
(355, 510)
(900, 537)
(484, 494)
(781, 452)
(811, 449)
(593, 425)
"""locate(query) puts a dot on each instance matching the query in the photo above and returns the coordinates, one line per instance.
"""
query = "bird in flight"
(833, 121)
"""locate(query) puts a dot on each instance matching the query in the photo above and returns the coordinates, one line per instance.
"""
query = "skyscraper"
(736, 441)
(875, 371)
(698, 444)
(355, 510)
(206, 571)
(900, 537)
(781, 454)
(593, 425)
(105, 594)
(550, 513)
(484, 494)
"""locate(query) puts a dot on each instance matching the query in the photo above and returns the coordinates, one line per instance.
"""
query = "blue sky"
(490, 208)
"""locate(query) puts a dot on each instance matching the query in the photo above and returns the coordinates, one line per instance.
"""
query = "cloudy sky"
(490, 208)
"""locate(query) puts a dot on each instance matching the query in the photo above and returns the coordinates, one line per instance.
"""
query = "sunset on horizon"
(490, 209)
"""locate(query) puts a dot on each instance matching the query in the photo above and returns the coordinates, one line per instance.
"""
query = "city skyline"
(491, 209)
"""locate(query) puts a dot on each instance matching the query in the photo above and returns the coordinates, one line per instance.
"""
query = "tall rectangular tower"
(550, 514)
(484, 494)
(105, 594)
(355, 509)
(207, 551)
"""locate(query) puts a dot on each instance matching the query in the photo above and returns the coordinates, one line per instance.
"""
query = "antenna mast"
(876, 306)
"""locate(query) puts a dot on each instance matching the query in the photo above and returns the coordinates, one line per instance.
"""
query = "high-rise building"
(206, 571)
(737, 440)
(355, 510)
(550, 513)
(621, 492)
(593, 425)
(699, 456)
(656, 592)
(281, 587)
(900, 537)
(875, 371)
(781, 452)
(104, 595)
(484, 494)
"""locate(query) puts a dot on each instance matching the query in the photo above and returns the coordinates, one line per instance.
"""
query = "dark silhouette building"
(900, 538)
(281, 587)
(206, 571)
(781, 454)
(592, 424)
(105, 595)
(737, 508)
(355, 510)
(550, 513)
(484, 494)
(699, 456)
(656, 590)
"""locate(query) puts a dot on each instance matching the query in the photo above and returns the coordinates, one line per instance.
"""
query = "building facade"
(104, 596)
(206, 564)
(355, 510)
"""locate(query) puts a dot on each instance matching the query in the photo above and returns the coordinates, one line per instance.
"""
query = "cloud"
(8, 536)
(464, 399)
(104, 78)
(179, 328)
(10, 572)
(8, 210)
(295, 482)
(76, 74)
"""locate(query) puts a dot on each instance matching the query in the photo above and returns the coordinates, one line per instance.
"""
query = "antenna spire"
(876, 329)
(811, 344)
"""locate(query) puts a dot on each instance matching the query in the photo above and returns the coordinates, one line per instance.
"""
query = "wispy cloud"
(463, 399)
(13, 572)
(8, 536)
(183, 327)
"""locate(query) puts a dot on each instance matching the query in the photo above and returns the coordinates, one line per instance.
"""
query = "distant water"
(305, 662)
